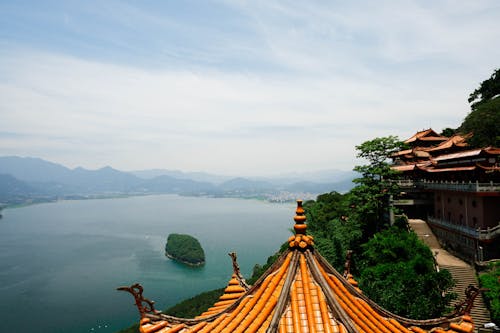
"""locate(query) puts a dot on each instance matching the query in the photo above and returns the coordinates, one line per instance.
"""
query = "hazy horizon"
(166, 168)
(234, 87)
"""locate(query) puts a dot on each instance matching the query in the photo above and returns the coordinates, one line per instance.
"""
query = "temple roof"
(456, 140)
(300, 292)
(454, 169)
(462, 154)
(426, 135)
(448, 157)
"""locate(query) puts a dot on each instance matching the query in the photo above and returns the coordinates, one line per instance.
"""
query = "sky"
(253, 88)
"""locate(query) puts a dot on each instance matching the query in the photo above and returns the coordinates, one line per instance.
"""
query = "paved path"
(443, 257)
(461, 272)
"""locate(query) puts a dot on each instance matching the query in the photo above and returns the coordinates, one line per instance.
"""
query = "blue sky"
(234, 87)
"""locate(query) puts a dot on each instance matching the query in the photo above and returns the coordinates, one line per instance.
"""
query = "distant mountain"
(318, 188)
(196, 176)
(32, 169)
(322, 176)
(26, 177)
(241, 184)
(332, 176)
(11, 187)
(249, 185)
(59, 179)
(104, 179)
(167, 184)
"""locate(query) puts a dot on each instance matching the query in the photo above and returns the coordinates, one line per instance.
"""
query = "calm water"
(61, 262)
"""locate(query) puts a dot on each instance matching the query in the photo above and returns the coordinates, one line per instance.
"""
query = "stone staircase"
(464, 276)
(462, 272)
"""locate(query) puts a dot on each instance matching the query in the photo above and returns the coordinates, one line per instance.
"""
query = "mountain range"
(30, 179)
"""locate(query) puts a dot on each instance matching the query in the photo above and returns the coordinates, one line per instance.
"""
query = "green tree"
(491, 280)
(185, 248)
(484, 117)
(328, 206)
(488, 89)
(370, 198)
(448, 131)
(334, 232)
(196, 305)
(398, 273)
(483, 121)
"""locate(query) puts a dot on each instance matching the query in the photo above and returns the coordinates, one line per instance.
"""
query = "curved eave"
(356, 299)
(403, 168)
(492, 168)
(163, 323)
(301, 292)
(456, 169)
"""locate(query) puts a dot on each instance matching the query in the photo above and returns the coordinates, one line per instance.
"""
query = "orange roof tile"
(426, 135)
(300, 292)
(402, 152)
(489, 168)
(455, 140)
(462, 154)
(433, 169)
(492, 150)
(402, 168)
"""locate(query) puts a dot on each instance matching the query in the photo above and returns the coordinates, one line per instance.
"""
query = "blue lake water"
(60, 263)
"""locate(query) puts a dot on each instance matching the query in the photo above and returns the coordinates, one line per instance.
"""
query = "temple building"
(454, 188)
(300, 292)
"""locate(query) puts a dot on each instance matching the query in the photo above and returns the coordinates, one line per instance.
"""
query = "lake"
(60, 263)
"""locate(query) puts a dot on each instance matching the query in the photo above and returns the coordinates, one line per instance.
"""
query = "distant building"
(456, 189)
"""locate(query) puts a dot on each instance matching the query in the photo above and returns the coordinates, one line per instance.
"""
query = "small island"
(185, 249)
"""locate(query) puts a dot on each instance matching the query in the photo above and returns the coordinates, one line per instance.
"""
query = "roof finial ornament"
(143, 304)
(300, 239)
(300, 217)
(464, 308)
(237, 272)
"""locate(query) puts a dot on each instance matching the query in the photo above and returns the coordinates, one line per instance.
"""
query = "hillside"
(14, 190)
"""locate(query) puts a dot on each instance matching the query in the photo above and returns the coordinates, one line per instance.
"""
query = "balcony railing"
(481, 234)
(449, 185)
(405, 183)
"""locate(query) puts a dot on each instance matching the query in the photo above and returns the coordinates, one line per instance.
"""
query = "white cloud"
(339, 74)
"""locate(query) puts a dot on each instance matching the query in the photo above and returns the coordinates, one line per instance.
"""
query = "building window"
(461, 218)
(449, 216)
(474, 221)
(474, 204)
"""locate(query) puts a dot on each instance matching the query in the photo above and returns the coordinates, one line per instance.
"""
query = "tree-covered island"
(185, 249)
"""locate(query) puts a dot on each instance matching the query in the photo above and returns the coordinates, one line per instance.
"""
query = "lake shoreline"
(169, 256)
(124, 196)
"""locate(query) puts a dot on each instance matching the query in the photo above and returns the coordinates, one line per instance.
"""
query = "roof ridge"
(379, 309)
(284, 295)
(342, 316)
